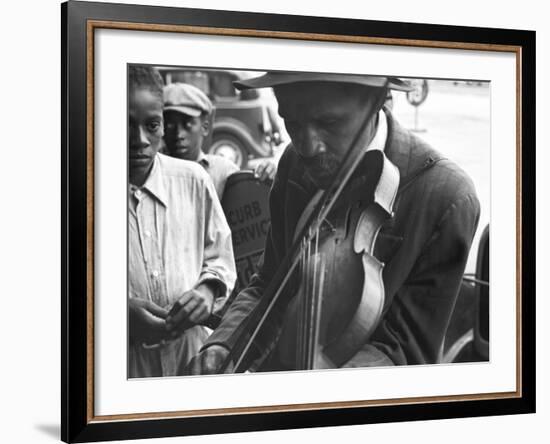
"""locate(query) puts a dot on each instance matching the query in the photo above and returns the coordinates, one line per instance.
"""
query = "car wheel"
(230, 147)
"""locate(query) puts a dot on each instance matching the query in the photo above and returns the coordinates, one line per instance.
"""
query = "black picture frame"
(78, 423)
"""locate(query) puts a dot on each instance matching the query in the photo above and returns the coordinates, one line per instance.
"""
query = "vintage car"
(245, 124)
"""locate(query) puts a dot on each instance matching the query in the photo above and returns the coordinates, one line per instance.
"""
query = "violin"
(340, 296)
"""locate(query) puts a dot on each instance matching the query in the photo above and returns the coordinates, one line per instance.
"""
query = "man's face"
(145, 130)
(184, 134)
(322, 119)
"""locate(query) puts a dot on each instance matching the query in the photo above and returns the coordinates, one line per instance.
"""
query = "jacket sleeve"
(415, 323)
(234, 320)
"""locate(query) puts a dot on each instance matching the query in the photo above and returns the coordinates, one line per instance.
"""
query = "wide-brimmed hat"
(276, 78)
(186, 99)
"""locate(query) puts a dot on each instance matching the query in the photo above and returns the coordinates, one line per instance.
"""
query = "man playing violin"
(424, 245)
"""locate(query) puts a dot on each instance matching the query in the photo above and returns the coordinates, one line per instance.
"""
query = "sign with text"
(246, 206)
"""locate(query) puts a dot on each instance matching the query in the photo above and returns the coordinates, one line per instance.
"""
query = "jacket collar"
(398, 145)
(407, 152)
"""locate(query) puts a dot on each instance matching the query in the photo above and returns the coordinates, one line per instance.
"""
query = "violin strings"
(312, 321)
(309, 296)
(300, 306)
(304, 304)
(317, 315)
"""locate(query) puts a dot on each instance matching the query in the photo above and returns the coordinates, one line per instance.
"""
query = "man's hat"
(275, 78)
(186, 99)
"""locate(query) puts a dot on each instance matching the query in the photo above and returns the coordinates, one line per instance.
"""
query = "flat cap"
(275, 78)
(186, 99)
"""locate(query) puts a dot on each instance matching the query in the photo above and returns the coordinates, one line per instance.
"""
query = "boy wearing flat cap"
(187, 123)
(424, 245)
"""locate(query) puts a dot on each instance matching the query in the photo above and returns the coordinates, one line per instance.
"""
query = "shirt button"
(147, 233)
(138, 193)
(155, 273)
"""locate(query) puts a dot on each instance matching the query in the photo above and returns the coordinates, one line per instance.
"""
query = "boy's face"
(145, 130)
(184, 134)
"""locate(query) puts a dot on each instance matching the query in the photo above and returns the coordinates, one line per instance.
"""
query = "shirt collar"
(202, 159)
(378, 142)
(155, 183)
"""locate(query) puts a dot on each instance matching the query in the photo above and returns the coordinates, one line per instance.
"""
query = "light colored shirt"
(178, 238)
(219, 169)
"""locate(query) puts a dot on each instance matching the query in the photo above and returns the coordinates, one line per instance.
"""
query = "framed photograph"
(275, 221)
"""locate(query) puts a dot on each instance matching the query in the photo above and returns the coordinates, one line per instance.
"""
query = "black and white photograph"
(290, 220)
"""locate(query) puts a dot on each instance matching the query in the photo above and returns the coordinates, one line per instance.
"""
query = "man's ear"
(205, 126)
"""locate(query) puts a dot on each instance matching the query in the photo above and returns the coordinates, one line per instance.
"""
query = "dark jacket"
(425, 248)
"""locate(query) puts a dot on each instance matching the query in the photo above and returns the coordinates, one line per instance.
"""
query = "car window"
(221, 86)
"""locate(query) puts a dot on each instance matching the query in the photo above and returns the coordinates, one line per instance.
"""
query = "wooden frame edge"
(285, 408)
(235, 32)
(105, 24)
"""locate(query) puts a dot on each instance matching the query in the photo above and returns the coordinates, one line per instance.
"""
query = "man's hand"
(208, 361)
(265, 170)
(194, 307)
(146, 321)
